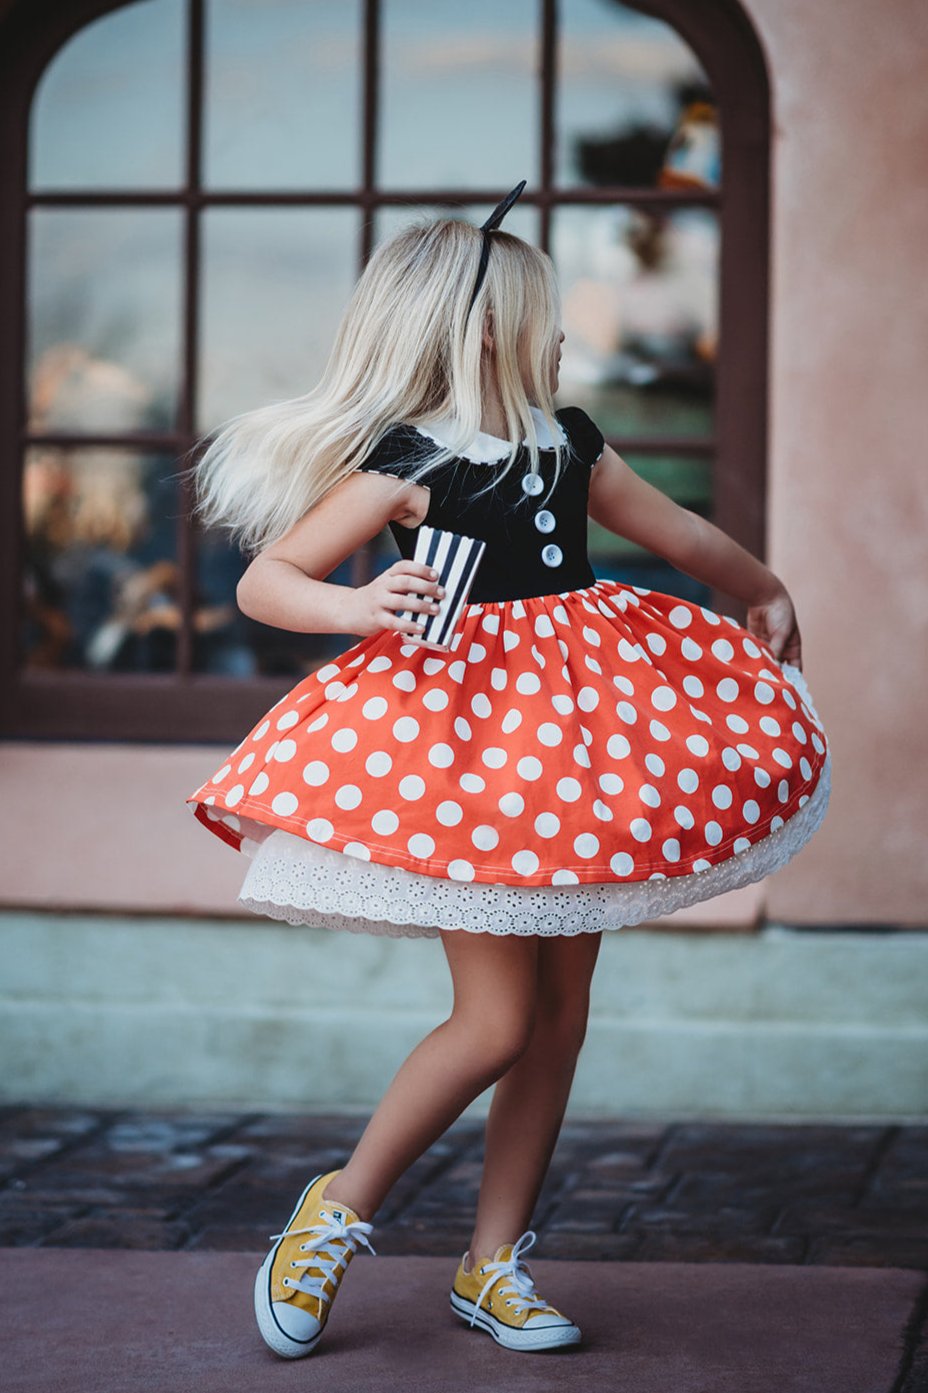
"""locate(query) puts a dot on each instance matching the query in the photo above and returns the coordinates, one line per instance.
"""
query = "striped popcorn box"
(456, 559)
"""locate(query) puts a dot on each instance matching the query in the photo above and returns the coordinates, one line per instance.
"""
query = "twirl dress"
(590, 754)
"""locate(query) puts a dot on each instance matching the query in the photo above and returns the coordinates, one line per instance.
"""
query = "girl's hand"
(773, 621)
(376, 606)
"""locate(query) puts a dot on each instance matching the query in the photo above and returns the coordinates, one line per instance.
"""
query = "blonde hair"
(407, 351)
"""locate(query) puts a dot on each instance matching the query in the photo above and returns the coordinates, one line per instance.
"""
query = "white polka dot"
(270, 752)
(525, 862)
(411, 787)
(374, 708)
(235, 795)
(723, 650)
(490, 622)
(512, 804)
(563, 703)
(344, 740)
(385, 822)
(655, 765)
(680, 617)
(799, 731)
(640, 829)
(449, 813)
(435, 700)
(472, 783)
(783, 758)
(748, 751)
(476, 653)
(692, 686)
(736, 723)
(528, 683)
(441, 756)
(383, 664)
(406, 728)
(262, 730)
(656, 642)
(727, 689)
(511, 721)
(688, 780)
(494, 757)
(586, 845)
(420, 844)
(762, 778)
(530, 768)
(750, 647)
(285, 804)
(285, 751)
(621, 863)
(805, 768)
(671, 849)
(357, 849)
(378, 763)
(484, 837)
(462, 728)
(246, 763)
(658, 730)
(611, 783)
(697, 745)
(626, 712)
(319, 829)
(649, 794)
(324, 673)
(783, 790)
(260, 784)
(709, 615)
(664, 698)
(763, 692)
(751, 811)
(741, 844)
(315, 773)
(549, 734)
(220, 774)
(563, 877)
(499, 679)
(319, 722)
(730, 758)
(684, 816)
(769, 725)
(701, 864)
(588, 698)
(691, 650)
(568, 789)
(713, 833)
(481, 705)
(722, 796)
(348, 796)
(618, 747)
(543, 627)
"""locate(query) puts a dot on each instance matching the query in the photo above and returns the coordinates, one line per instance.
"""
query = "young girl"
(588, 754)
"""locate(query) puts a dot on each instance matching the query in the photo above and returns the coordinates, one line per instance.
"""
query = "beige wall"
(105, 825)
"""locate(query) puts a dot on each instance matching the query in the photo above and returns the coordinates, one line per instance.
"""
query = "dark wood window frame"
(185, 706)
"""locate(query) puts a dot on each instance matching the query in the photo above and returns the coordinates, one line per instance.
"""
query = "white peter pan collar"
(488, 449)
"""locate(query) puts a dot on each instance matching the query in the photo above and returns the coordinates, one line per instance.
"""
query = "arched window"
(190, 190)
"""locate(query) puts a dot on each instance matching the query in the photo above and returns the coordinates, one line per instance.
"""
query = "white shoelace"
(324, 1247)
(520, 1283)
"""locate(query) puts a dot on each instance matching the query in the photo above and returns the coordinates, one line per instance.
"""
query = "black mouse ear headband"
(492, 222)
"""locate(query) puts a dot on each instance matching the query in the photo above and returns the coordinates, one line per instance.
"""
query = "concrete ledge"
(126, 1322)
(114, 1010)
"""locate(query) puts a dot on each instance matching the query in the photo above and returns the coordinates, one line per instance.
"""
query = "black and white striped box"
(456, 559)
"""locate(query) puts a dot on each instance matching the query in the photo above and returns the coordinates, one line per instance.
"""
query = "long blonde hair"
(406, 351)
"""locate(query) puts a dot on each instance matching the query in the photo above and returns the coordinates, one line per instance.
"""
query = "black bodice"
(536, 541)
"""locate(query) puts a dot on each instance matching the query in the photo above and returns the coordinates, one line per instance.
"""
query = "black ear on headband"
(491, 224)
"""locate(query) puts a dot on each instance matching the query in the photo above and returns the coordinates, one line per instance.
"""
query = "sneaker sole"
(278, 1340)
(548, 1337)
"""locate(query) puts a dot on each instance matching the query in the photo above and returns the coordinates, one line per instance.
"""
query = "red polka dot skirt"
(576, 762)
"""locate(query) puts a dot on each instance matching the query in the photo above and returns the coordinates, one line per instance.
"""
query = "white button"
(545, 521)
(532, 484)
(552, 555)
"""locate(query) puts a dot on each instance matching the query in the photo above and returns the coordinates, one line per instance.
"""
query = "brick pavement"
(640, 1190)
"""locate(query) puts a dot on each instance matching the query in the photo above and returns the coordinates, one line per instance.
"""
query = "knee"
(499, 1035)
(562, 1018)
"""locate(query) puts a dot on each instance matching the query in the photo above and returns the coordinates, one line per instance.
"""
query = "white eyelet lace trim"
(300, 882)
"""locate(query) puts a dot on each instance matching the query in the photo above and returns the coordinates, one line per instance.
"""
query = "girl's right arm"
(284, 585)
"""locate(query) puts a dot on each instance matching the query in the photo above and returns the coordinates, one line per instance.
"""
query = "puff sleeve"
(394, 454)
(586, 439)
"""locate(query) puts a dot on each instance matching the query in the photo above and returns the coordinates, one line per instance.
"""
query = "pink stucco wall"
(106, 825)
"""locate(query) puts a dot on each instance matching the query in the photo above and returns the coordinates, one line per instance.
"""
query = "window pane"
(459, 104)
(626, 84)
(282, 94)
(522, 219)
(100, 589)
(275, 284)
(104, 339)
(108, 112)
(688, 481)
(639, 294)
(229, 644)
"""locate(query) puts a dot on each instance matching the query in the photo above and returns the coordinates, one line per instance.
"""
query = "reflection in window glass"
(108, 112)
(459, 96)
(275, 285)
(101, 581)
(639, 297)
(104, 340)
(688, 481)
(282, 94)
(227, 643)
(626, 83)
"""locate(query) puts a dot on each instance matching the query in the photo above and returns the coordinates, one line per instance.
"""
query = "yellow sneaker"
(498, 1295)
(292, 1306)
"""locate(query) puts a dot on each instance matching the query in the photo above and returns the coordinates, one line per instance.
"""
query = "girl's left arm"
(628, 505)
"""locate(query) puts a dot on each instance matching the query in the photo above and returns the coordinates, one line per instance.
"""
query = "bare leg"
(530, 1099)
(490, 1025)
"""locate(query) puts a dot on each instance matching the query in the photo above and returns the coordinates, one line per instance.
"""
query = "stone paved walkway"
(645, 1191)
